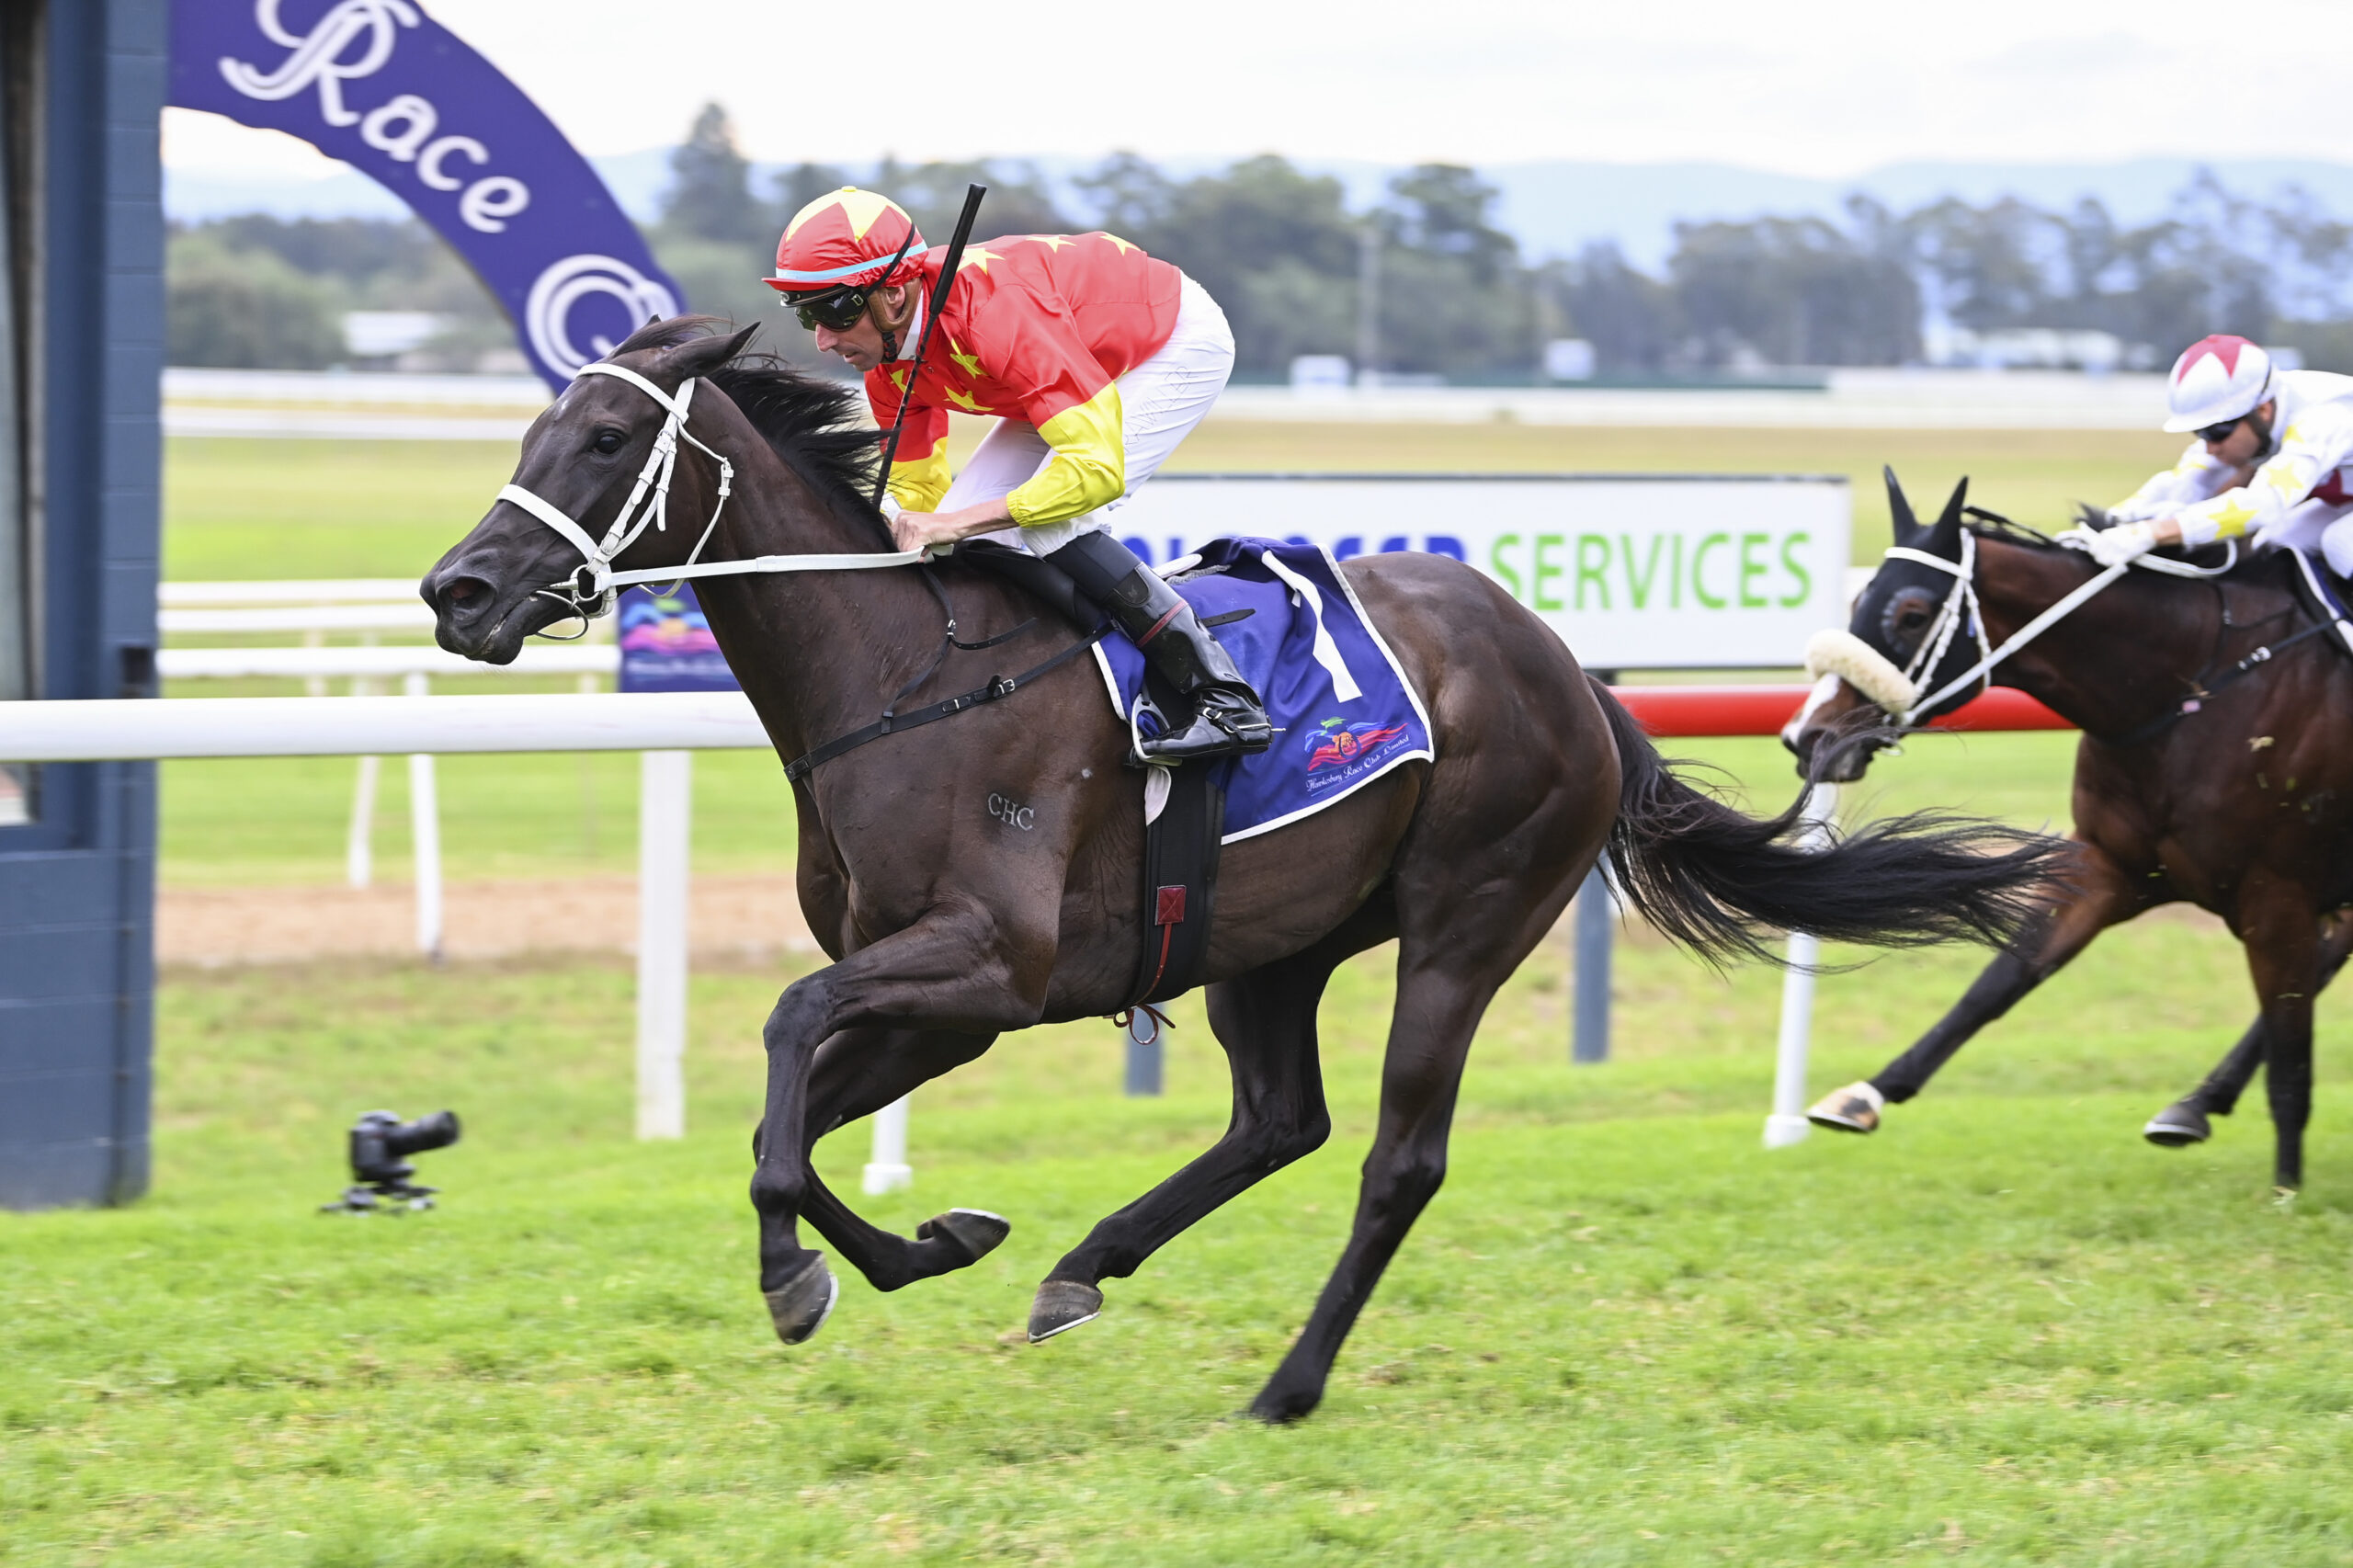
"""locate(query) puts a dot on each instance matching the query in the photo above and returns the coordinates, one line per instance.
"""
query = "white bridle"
(595, 596)
(1838, 654)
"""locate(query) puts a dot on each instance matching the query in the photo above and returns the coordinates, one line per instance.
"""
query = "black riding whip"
(972, 193)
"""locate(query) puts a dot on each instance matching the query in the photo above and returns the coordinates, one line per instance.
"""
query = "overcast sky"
(1820, 87)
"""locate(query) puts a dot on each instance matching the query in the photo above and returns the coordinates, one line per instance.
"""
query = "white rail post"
(1787, 1124)
(425, 832)
(359, 850)
(665, 805)
(888, 1171)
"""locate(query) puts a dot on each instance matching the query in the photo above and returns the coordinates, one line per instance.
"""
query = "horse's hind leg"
(857, 1073)
(1467, 917)
(1266, 1021)
(2101, 895)
(2184, 1122)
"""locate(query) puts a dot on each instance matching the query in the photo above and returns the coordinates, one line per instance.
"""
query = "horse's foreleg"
(2184, 1122)
(1266, 1020)
(857, 1073)
(957, 968)
(2101, 895)
(2282, 940)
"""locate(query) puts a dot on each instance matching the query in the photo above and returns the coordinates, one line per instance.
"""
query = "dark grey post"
(1596, 924)
(1144, 1054)
(83, 239)
(1595, 927)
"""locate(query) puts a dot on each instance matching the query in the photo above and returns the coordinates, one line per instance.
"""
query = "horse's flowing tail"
(1722, 882)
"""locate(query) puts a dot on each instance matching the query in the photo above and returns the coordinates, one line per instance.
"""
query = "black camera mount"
(380, 1142)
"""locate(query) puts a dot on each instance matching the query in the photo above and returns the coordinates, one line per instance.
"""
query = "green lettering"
(1545, 570)
(1637, 584)
(1698, 570)
(1752, 567)
(1496, 560)
(1675, 575)
(1796, 568)
(1592, 566)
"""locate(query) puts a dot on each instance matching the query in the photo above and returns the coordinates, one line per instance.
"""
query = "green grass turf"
(2003, 1331)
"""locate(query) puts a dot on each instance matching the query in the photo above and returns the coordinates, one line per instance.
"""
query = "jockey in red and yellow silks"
(1096, 359)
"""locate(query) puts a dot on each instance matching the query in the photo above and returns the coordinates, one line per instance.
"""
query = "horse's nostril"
(464, 591)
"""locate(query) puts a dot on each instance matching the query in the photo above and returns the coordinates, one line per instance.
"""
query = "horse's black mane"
(813, 422)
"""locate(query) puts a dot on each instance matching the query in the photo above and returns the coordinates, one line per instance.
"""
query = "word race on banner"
(382, 87)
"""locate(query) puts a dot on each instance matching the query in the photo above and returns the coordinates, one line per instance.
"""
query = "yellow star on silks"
(899, 379)
(2234, 518)
(861, 207)
(967, 402)
(980, 258)
(970, 362)
(1124, 246)
(1051, 241)
(2295, 433)
(2283, 478)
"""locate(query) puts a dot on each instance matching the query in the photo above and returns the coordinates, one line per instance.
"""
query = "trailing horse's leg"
(857, 1072)
(2184, 1122)
(959, 962)
(2100, 896)
(2282, 941)
(1266, 1021)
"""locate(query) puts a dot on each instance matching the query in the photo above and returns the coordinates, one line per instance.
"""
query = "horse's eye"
(608, 442)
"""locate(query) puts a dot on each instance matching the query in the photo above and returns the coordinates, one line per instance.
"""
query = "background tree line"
(1423, 282)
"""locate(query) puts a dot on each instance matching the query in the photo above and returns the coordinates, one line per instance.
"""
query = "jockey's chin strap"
(591, 589)
(1960, 606)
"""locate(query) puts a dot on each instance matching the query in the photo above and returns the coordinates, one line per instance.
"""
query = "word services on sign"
(1633, 572)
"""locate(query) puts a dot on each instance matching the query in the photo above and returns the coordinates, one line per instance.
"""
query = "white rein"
(595, 596)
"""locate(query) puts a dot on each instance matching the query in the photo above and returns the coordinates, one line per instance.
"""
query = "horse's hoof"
(2178, 1126)
(801, 1307)
(1281, 1406)
(976, 1231)
(1854, 1109)
(1061, 1305)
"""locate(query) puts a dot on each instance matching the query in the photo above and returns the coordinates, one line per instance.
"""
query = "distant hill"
(1554, 207)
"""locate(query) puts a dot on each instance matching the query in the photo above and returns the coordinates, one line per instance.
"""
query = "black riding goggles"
(837, 311)
(2211, 433)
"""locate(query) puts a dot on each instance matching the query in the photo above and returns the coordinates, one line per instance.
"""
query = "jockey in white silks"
(2273, 462)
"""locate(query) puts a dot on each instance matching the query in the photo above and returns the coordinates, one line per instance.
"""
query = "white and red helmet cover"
(2217, 379)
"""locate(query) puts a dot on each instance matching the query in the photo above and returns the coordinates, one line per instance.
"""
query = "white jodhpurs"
(1159, 401)
(2316, 527)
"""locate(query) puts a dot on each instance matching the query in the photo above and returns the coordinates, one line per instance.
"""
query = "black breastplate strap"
(891, 723)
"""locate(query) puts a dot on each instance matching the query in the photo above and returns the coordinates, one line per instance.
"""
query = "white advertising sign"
(1632, 572)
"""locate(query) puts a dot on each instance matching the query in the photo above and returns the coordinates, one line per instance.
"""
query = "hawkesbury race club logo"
(1337, 745)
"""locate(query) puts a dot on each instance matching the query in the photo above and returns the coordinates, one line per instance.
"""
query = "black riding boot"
(1227, 715)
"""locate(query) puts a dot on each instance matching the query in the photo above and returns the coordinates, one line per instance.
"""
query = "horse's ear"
(1944, 540)
(1907, 525)
(700, 356)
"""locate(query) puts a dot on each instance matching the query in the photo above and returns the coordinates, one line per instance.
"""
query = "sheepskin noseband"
(1835, 651)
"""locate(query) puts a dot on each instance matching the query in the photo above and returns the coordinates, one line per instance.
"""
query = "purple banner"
(382, 87)
(666, 644)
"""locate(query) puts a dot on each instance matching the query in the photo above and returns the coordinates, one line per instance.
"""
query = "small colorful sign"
(666, 644)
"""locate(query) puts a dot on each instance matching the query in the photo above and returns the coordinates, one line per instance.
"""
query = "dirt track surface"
(736, 916)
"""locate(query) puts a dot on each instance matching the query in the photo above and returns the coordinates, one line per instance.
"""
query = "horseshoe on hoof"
(2177, 1126)
(801, 1305)
(976, 1231)
(1855, 1108)
(1061, 1305)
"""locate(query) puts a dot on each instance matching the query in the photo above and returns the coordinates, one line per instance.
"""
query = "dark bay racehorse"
(2243, 806)
(948, 927)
